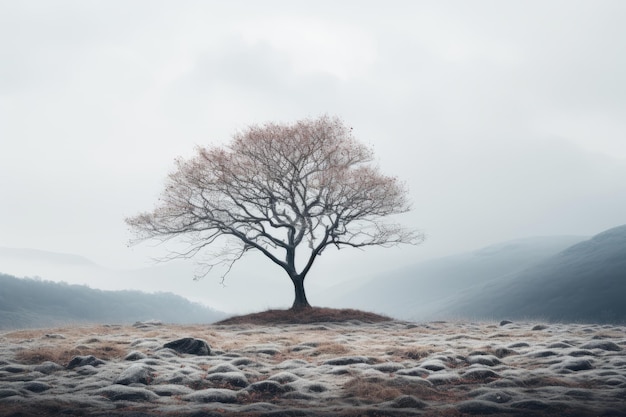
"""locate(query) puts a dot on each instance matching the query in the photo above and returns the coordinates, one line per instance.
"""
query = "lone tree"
(288, 191)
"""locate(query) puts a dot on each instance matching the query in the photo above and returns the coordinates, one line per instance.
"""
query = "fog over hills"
(561, 278)
(31, 302)
(237, 296)
(586, 282)
(415, 292)
(44, 257)
(75, 269)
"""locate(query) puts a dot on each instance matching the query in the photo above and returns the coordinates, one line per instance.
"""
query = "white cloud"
(314, 45)
(505, 119)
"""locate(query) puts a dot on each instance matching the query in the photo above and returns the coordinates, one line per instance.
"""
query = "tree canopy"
(287, 190)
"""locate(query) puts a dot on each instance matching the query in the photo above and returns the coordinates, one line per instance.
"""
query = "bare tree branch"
(288, 191)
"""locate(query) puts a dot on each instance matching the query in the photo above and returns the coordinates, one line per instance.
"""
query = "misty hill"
(586, 283)
(42, 257)
(172, 277)
(27, 302)
(247, 290)
(416, 291)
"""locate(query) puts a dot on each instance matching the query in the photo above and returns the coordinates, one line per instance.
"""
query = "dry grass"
(355, 395)
(306, 316)
(553, 381)
(62, 355)
(74, 331)
(414, 353)
(331, 348)
(43, 408)
(372, 390)
(446, 412)
(374, 412)
(375, 390)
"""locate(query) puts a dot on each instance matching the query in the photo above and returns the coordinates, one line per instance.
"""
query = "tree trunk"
(300, 300)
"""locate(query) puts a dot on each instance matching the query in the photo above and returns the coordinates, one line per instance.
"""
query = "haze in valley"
(506, 120)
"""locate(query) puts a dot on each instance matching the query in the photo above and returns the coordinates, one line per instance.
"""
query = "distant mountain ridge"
(561, 278)
(585, 282)
(238, 295)
(416, 291)
(46, 256)
(76, 269)
(30, 302)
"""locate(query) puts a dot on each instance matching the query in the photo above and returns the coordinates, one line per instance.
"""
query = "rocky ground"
(321, 369)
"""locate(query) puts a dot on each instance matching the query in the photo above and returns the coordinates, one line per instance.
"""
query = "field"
(348, 367)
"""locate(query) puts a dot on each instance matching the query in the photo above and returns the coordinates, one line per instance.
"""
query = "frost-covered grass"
(328, 368)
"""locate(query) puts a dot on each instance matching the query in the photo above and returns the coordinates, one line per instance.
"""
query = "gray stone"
(212, 395)
(584, 394)
(504, 352)
(267, 387)
(169, 390)
(48, 367)
(297, 395)
(189, 345)
(243, 362)
(83, 361)
(408, 401)
(487, 360)
(8, 392)
(135, 356)
(147, 324)
(441, 378)
(124, 393)
(579, 353)
(284, 377)
(402, 380)
(603, 345)
(559, 345)
(135, 374)
(478, 407)
(14, 369)
(222, 368)
(292, 364)
(36, 386)
(317, 388)
(615, 381)
(236, 379)
(388, 367)
(495, 397)
(433, 365)
(542, 354)
(480, 374)
(578, 365)
(347, 360)
(287, 413)
(421, 372)
(530, 405)
(86, 370)
(268, 351)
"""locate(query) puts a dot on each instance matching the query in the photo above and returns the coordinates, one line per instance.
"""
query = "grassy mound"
(306, 316)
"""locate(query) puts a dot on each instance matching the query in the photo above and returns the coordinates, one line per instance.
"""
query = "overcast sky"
(506, 119)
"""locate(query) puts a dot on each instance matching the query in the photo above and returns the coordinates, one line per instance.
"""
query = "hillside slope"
(239, 295)
(414, 292)
(586, 282)
(26, 302)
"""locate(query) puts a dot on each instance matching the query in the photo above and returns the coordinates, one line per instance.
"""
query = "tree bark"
(300, 300)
